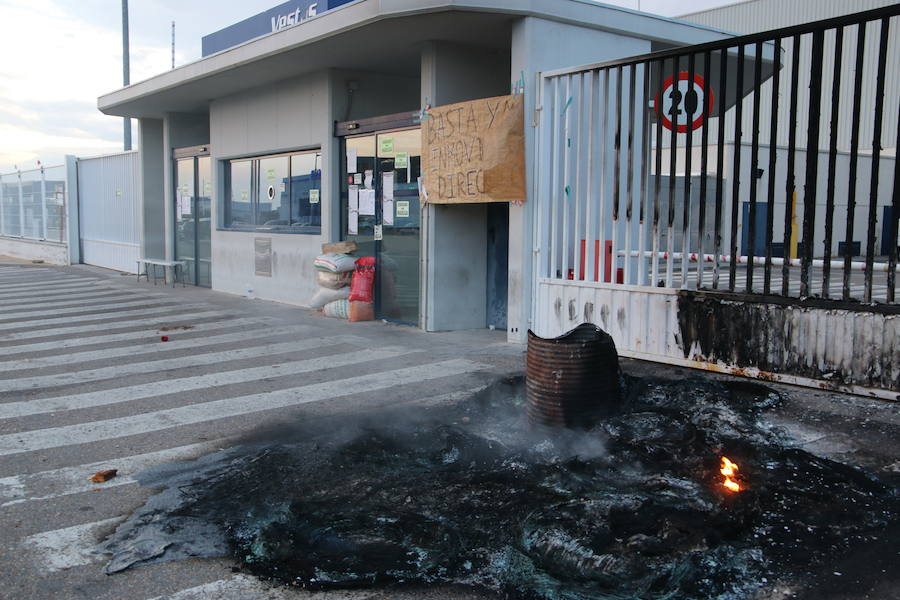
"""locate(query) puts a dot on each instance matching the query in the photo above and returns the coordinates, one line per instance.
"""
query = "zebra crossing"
(87, 384)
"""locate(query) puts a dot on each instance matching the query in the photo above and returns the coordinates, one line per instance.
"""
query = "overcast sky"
(58, 56)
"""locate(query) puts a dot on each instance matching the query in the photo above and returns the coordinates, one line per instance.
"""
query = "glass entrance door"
(380, 208)
(193, 188)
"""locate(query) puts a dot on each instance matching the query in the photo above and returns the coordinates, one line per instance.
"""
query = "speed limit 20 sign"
(684, 102)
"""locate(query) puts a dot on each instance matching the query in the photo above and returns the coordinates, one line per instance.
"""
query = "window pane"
(9, 204)
(185, 238)
(204, 246)
(306, 186)
(239, 212)
(281, 192)
(364, 147)
(32, 201)
(273, 194)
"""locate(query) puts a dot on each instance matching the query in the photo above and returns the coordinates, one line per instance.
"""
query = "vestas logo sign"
(284, 16)
(293, 18)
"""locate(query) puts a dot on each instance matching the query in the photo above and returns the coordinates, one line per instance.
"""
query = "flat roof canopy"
(383, 36)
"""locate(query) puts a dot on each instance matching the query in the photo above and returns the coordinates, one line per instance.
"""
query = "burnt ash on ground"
(473, 495)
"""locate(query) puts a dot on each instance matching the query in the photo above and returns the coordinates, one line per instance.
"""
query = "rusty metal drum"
(572, 380)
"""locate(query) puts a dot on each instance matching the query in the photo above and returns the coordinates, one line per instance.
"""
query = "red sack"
(363, 281)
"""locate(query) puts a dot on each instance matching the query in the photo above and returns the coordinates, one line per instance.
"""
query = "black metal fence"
(762, 164)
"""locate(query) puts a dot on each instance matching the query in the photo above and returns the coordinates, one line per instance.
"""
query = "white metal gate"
(109, 196)
(696, 243)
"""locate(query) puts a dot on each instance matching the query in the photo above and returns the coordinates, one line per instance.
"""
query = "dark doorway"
(497, 263)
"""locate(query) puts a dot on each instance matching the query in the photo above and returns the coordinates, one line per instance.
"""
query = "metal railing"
(650, 176)
(33, 204)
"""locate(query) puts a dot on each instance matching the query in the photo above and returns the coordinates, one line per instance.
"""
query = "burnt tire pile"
(478, 496)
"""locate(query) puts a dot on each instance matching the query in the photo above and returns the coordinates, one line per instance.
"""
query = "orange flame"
(728, 470)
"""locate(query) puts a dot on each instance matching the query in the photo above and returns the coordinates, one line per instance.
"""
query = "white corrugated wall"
(763, 15)
(109, 196)
(857, 352)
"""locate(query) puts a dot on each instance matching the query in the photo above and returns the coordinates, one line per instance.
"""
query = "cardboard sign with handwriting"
(475, 151)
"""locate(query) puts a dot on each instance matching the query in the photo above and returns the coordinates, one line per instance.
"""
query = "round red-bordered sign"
(685, 101)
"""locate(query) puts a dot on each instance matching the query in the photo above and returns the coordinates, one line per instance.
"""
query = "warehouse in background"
(752, 16)
(250, 156)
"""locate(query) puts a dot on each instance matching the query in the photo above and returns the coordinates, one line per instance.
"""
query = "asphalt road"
(87, 384)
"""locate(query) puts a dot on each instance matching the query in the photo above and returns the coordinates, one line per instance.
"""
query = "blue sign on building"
(289, 14)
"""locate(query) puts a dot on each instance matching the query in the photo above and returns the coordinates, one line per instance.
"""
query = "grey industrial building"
(243, 157)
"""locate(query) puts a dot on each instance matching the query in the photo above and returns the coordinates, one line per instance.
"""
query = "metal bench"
(177, 267)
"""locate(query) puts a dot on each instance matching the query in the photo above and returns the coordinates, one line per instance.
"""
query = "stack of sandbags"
(334, 273)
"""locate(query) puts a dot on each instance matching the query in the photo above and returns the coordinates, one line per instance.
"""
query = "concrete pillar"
(454, 237)
(43, 204)
(168, 180)
(153, 196)
(73, 222)
(21, 205)
(2, 208)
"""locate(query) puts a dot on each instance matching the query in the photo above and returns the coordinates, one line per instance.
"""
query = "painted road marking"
(13, 271)
(41, 284)
(242, 587)
(162, 320)
(62, 549)
(142, 349)
(47, 485)
(105, 308)
(12, 410)
(133, 335)
(19, 278)
(144, 367)
(10, 272)
(83, 433)
(100, 316)
(73, 299)
(74, 480)
(46, 273)
(80, 288)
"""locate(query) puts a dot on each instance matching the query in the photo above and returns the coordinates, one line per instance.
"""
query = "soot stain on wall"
(777, 339)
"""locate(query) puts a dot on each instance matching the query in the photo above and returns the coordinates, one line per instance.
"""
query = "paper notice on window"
(357, 178)
(351, 160)
(387, 211)
(313, 196)
(367, 202)
(185, 205)
(403, 208)
(387, 185)
(370, 179)
(352, 210)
